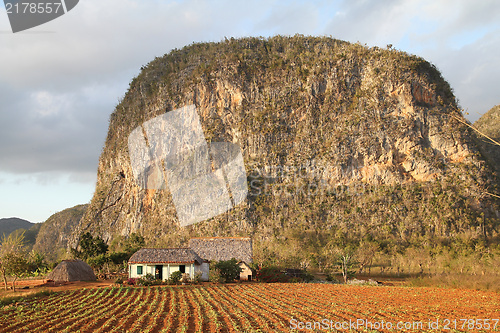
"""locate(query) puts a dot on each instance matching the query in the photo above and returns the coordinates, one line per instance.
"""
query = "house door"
(159, 272)
(182, 268)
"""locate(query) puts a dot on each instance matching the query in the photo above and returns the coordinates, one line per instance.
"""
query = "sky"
(60, 81)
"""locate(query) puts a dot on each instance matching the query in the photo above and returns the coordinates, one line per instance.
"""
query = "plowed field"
(256, 307)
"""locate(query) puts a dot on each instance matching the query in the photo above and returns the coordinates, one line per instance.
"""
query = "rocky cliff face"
(339, 140)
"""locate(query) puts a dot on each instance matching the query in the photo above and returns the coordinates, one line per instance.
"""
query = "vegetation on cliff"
(54, 234)
(489, 143)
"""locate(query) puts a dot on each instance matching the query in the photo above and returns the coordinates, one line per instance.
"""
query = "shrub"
(158, 282)
(144, 282)
(119, 281)
(308, 277)
(271, 274)
(149, 277)
(228, 269)
(185, 278)
(175, 277)
(98, 261)
(132, 281)
(197, 277)
(215, 276)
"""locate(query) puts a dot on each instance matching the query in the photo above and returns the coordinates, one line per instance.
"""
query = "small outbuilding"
(72, 270)
(246, 273)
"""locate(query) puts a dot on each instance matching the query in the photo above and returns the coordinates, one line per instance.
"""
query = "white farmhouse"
(195, 258)
(162, 262)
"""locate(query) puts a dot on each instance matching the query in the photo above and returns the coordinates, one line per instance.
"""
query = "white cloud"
(474, 73)
(291, 18)
(48, 130)
(47, 104)
(459, 37)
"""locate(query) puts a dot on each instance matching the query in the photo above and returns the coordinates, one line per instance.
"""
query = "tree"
(133, 243)
(90, 246)
(97, 262)
(365, 253)
(12, 257)
(229, 269)
(346, 261)
(16, 265)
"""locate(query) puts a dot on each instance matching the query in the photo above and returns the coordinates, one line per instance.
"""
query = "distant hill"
(9, 225)
(53, 236)
(14, 224)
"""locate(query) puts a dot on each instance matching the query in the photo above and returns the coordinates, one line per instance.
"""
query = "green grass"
(23, 298)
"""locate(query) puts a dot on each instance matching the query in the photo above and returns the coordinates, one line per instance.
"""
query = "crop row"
(238, 308)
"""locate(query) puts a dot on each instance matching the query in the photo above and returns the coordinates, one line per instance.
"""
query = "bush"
(132, 281)
(119, 281)
(147, 280)
(158, 282)
(97, 261)
(143, 282)
(215, 276)
(229, 269)
(197, 277)
(175, 277)
(185, 278)
(271, 274)
(149, 277)
(308, 277)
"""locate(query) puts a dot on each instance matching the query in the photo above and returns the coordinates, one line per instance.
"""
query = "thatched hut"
(72, 270)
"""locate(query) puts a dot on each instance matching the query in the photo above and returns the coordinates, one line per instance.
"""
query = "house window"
(139, 270)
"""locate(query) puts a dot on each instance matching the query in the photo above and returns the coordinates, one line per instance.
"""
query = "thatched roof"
(72, 270)
(223, 248)
(182, 255)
